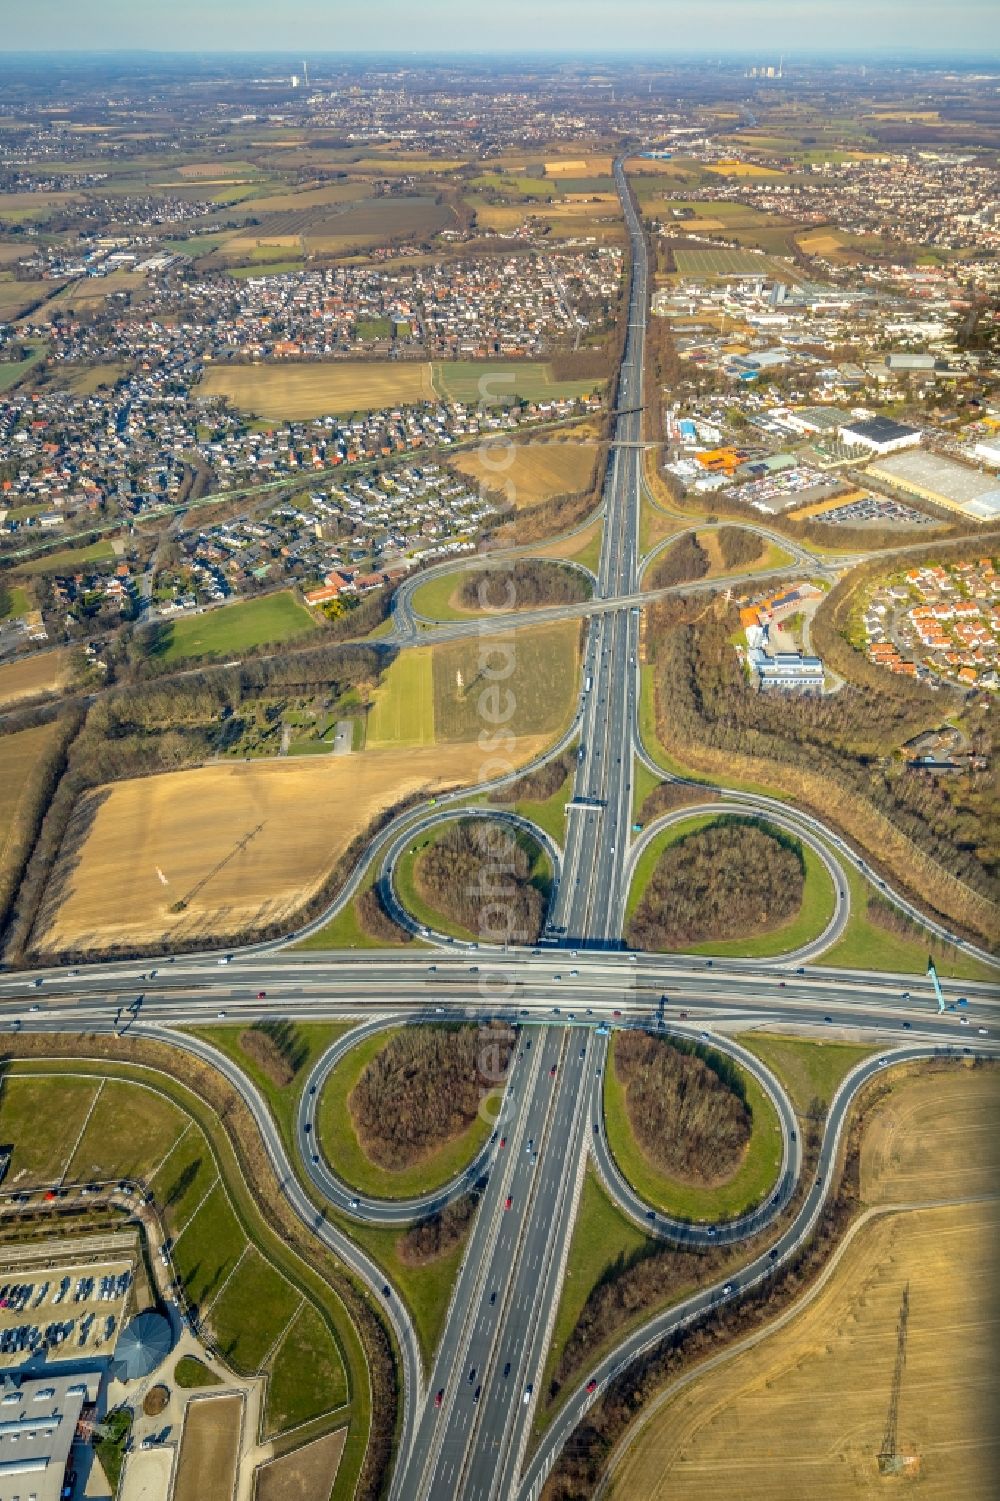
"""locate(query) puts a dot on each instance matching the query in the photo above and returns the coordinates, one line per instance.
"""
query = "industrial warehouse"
(944, 482)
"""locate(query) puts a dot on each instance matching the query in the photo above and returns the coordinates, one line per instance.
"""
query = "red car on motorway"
(552, 1072)
(262, 995)
(439, 1398)
(503, 1142)
(510, 1202)
(591, 1385)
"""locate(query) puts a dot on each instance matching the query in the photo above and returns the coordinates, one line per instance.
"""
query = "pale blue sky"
(931, 27)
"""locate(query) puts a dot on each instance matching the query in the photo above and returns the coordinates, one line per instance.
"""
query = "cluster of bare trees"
(686, 1106)
(375, 920)
(277, 1048)
(479, 875)
(526, 582)
(539, 785)
(681, 563)
(439, 1233)
(738, 546)
(729, 880)
(424, 1088)
(837, 755)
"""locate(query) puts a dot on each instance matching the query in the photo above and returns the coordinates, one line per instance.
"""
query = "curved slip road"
(688, 1312)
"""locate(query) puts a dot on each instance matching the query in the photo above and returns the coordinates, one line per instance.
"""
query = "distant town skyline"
(716, 27)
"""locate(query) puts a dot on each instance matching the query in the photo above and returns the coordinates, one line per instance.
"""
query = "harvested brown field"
(307, 1474)
(581, 166)
(530, 472)
(209, 1451)
(802, 1412)
(820, 242)
(31, 677)
(290, 392)
(153, 840)
(311, 198)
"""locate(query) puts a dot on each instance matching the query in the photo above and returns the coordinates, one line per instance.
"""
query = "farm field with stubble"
(533, 471)
(229, 848)
(803, 1411)
(153, 840)
(29, 677)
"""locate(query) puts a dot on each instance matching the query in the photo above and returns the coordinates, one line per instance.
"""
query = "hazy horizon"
(968, 29)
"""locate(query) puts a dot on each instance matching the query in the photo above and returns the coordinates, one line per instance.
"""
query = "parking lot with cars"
(63, 1312)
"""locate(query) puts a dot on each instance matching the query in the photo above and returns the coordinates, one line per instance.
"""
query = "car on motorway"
(592, 1385)
(386, 1290)
(983, 1031)
(34, 1007)
(729, 1287)
(472, 1374)
(552, 1070)
(574, 974)
(961, 1001)
(828, 1018)
(262, 995)
(476, 1394)
(355, 1203)
(616, 1013)
(963, 1021)
(503, 1142)
(907, 1026)
(221, 1015)
(509, 1202)
(506, 1369)
(439, 1397)
(226, 959)
(493, 1298)
(527, 1393)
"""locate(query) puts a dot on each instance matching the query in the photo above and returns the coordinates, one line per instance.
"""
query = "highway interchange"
(466, 1424)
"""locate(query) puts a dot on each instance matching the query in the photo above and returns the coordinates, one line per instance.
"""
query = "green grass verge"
(235, 628)
(312, 1039)
(304, 1363)
(549, 814)
(18, 603)
(662, 757)
(818, 898)
(426, 1289)
(433, 599)
(69, 560)
(339, 1142)
(405, 879)
(110, 1447)
(602, 1237)
(864, 945)
(190, 1373)
(808, 1070)
(750, 1183)
(500, 381)
(644, 782)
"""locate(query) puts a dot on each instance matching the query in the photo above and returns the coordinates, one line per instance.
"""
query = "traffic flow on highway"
(467, 1419)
